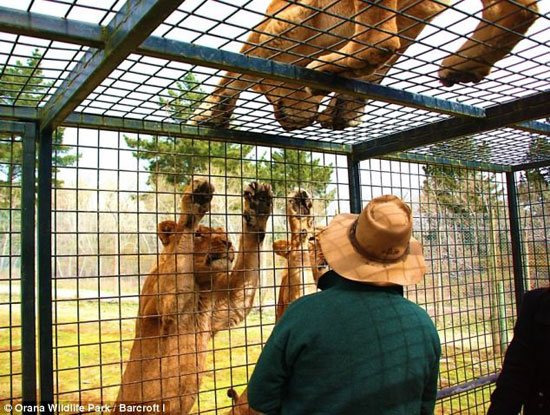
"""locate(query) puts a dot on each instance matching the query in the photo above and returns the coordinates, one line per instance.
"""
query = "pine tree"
(175, 160)
(24, 84)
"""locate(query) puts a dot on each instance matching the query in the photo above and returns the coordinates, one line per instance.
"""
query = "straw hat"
(375, 246)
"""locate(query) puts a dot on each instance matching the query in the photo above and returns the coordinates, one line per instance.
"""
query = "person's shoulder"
(307, 301)
(414, 307)
(420, 313)
(304, 306)
(534, 296)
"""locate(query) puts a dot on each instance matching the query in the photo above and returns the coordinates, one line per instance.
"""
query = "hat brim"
(349, 263)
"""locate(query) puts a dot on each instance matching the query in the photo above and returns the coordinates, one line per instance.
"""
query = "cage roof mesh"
(146, 88)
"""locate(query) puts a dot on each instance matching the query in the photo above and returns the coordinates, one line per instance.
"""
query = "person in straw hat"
(358, 346)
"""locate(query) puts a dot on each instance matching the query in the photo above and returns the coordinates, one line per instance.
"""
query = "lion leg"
(216, 110)
(503, 25)
(344, 111)
(166, 231)
(178, 305)
(282, 248)
(265, 41)
(300, 220)
(374, 41)
(317, 260)
(235, 298)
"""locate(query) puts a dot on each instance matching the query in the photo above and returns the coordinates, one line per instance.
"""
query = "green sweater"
(352, 349)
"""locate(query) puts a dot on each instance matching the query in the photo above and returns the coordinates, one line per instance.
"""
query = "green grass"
(88, 349)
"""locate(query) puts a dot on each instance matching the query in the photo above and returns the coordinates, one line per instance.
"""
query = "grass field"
(88, 350)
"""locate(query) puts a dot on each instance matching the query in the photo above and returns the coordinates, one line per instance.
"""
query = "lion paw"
(166, 231)
(342, 112)
(281, 247)
(196, 202)
(258, 205)
(449, 76)
(299, 212)
(215, 112)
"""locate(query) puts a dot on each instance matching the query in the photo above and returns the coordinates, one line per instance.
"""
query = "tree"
(538, 179)
(288, 169)
(174, 160)
(21, 84)
(24, 84)
(463, 207)
(460, 191)
(534, 198)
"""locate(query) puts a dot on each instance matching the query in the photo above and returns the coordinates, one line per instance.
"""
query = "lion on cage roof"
(199, 287)
(357, 39)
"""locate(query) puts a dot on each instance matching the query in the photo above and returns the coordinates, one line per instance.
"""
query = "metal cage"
(96, 146)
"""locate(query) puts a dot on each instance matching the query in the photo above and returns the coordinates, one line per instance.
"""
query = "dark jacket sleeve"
(268, 382)
(513, 384)
(430, 391)
(429, 396)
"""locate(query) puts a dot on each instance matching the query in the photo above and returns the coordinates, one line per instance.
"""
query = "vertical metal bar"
(515, 238)
(354, 185)
(28, 326)
(45, 268)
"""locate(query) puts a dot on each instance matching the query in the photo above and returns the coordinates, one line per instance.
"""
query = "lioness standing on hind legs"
(295, 272)
(192, 294)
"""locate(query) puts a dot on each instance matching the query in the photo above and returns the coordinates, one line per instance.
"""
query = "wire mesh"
(461, 217)
(10, 265)
(112, 189)
(107, 206)
(533, 198)
(507, 147)
(148, 88)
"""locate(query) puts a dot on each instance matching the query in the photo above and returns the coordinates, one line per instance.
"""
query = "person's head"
(376, 246)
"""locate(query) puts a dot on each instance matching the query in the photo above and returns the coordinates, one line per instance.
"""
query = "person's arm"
(429, 395)
(512, 386)
(267, 384)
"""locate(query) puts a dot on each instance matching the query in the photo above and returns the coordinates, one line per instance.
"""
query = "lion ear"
(281, 247)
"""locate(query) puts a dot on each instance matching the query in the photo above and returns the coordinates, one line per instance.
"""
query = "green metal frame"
(129, 32)
(44, 303)
(28, 324)
(132, 24)
(117, 41)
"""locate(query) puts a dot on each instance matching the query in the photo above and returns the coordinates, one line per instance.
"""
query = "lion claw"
(299, 211)
(258, 205)
(196, 201)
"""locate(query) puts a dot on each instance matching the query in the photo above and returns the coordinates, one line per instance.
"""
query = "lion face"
(214, 251)
(293, 107)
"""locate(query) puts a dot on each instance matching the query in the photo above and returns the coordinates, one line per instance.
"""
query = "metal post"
(516, 238)
(45, 269)
(28, 326)
(354, 185)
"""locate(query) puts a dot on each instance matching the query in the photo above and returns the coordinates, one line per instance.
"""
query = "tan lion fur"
(300, 222)
(190, 295)
(327, 40)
